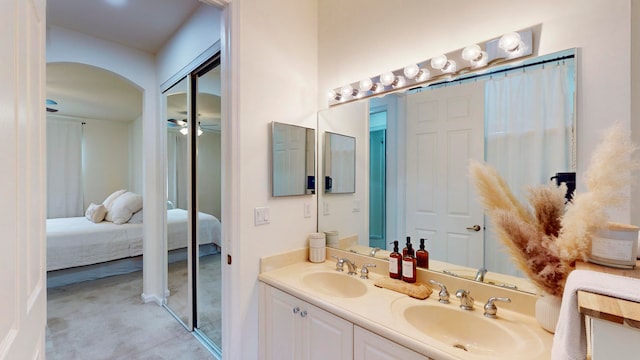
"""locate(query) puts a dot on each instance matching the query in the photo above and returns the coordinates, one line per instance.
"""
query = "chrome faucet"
(480, 274)
(351, 266)
(374, 251)
(443, 295)
(490, 309)
(466, 301)
(364, 272)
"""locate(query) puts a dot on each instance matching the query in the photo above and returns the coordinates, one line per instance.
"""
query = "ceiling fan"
(51, 102)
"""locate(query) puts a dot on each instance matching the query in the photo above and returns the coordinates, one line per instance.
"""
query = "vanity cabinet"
(294, 329)
(370, 346)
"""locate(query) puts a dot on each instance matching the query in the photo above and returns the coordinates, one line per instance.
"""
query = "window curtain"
(64, 169)
(528, 128)
(177, 167)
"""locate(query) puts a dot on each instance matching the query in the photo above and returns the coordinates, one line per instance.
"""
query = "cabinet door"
(280, 328)
(325, 336)
(369, 346)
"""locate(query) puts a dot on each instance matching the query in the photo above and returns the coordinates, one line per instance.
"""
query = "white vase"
(548, 311)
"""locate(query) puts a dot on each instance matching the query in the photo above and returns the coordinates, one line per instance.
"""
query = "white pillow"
(123, 207)
(96, 213)
(136, 218)
(108, 202)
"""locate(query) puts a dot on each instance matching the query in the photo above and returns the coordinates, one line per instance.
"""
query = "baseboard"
(151, 299)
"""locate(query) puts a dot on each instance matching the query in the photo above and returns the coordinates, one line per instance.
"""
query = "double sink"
(458, 333)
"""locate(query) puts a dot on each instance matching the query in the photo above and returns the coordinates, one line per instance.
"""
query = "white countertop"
(381, 311)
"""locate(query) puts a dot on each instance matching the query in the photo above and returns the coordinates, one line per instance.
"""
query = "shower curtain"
(528, 133)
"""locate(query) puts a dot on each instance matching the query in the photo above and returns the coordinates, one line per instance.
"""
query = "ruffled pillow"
(123, 207)
(108, 202)
(96, 213)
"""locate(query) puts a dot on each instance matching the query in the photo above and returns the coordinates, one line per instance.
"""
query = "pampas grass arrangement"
(546, 241)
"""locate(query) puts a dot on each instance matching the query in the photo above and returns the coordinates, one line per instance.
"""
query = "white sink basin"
(460, 328)
(335, 284)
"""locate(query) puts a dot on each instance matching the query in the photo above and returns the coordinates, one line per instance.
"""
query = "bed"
(76, 241)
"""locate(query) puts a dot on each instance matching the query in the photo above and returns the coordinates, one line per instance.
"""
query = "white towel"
(570, 340)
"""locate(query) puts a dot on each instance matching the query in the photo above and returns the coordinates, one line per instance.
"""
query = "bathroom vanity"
(312, 311)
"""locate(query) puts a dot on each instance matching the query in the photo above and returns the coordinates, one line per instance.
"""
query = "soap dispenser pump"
(395, 262)
(406, 247)
(422, 256)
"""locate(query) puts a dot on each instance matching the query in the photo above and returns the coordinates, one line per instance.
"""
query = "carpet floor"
(106, 319)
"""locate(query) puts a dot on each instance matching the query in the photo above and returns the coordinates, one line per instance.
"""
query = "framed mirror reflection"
(293, 167)
(519, 118)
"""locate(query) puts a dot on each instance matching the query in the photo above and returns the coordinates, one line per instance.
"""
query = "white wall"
(197, 34)
(105, 159)
(273, 65)
(362, 38)
(209, 177)
(136, 177)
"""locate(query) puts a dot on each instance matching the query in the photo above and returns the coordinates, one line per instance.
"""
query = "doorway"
(377, 178)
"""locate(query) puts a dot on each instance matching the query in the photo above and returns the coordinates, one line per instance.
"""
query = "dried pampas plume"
(607, 179)
(545, 244)
(529, 238)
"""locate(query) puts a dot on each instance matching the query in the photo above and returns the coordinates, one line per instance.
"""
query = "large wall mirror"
(518, 118)
(293, 167)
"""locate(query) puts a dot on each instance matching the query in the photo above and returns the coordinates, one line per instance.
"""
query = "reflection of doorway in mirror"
(445, 129)
(377, 179)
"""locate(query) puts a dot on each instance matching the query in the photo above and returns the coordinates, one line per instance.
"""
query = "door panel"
(22, 184)
(445, 128)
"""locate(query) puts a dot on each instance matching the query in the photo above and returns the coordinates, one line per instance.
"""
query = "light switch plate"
(261, 215)
(356, 205)
(307, 210)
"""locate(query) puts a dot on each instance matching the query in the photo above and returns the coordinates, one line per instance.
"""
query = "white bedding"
(77, 241)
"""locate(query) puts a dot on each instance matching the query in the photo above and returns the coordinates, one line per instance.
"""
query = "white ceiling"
(87, 92)
(141, 24)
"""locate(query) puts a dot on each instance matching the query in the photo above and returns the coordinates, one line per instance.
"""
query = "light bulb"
(450, 66)
(510, 42)
(439, 62)
(365, 84)
(411, 71)
(184, 131)
(398, 82)
(387, 78)
(377, 88)
(347, 90)
(333, 95)
(472, 53)
(423, 75)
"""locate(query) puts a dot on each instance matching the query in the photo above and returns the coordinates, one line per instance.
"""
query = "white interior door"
(444, 130)
(22, 184)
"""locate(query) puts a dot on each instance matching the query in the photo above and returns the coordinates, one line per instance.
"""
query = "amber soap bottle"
(409, 266)
(422, 256)
(395, 263)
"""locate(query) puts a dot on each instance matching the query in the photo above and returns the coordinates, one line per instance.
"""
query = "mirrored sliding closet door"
(194, 225)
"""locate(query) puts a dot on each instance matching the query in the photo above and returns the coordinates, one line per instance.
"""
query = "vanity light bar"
(474, 58)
